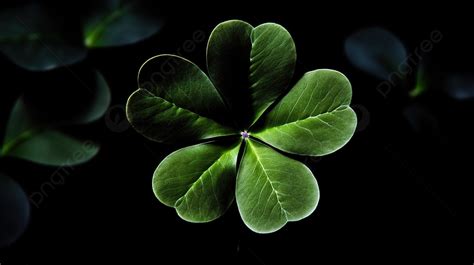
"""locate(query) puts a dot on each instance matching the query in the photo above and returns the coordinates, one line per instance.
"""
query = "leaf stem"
(418, 90)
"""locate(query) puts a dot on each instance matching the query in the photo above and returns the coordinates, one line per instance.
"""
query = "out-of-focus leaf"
(98, 101)
(375, 51)
(117, 23)
(33, 130)
(14, 211)
(71, 99)
(31, 39)
(41, 143)
(51, 147)
(460, 86)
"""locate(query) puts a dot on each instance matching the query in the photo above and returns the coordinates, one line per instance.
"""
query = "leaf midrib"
(340, 108)
(201, 176)
(268, 179)
(186, 109)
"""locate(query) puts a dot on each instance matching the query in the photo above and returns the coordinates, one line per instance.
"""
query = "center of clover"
(245, 134)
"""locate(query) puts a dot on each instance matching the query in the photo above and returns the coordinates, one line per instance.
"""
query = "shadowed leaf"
(375, 51)
(42, 143)
(33, 130)
(14, 211)
(460, 86)
(250, 66)
(179, 104)
(31, 39)
(117, 23)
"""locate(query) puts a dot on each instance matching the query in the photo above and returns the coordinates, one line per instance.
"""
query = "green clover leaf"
(245, 132)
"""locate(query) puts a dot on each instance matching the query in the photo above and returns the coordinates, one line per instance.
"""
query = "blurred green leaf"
(118, 23)
(51, 147)
(41, 143)
(31, 136)
(32, 40)
(99, 101)
(14, 211)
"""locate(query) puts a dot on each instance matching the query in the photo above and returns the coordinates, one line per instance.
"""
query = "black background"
(391, 194)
